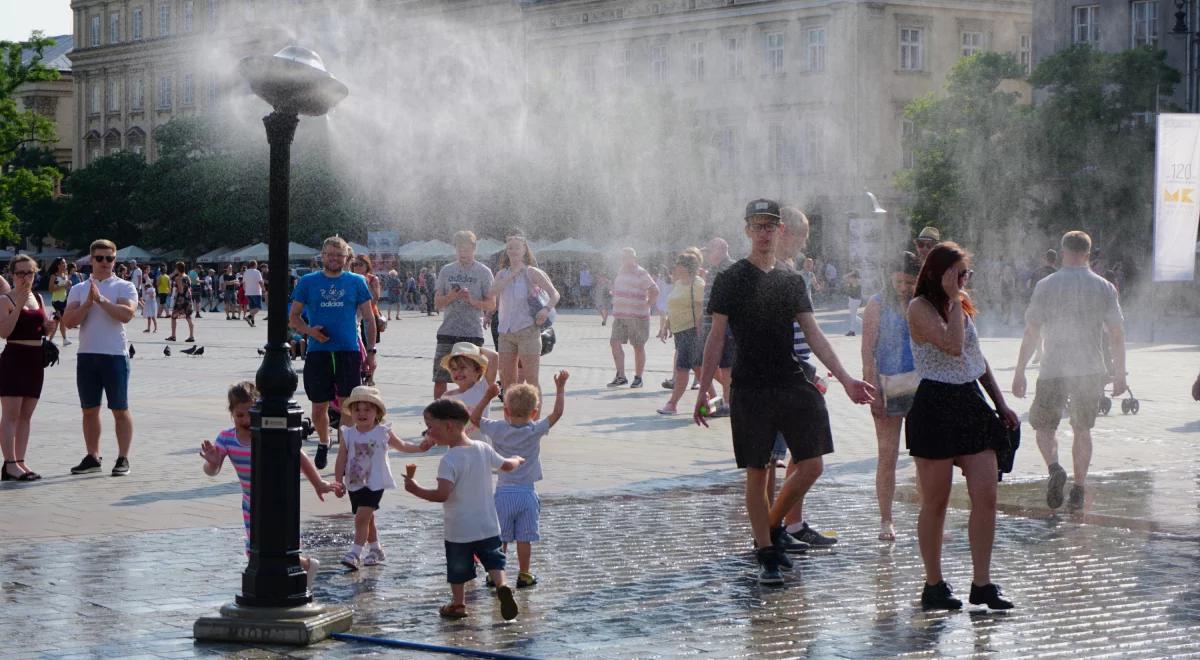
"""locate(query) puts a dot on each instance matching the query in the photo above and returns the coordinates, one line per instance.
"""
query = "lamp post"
(275, 605)
(1191, 51)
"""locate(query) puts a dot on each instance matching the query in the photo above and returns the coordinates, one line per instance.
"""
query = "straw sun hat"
(467, 350)
(366, 394)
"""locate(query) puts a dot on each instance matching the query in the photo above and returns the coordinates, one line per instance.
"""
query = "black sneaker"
(939, 597)
(637, 382)
(669, 384)
(322, 457)
(1054, 488)
(786, 542)
(121, 467)
(768, 566)
(618, 381)
(814, 538)
(1075, 498)
(777, 542)
(988, 594)
(87, 465)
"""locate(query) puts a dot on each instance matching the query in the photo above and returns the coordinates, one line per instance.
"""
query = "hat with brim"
(930, 234)
(767, 207)
(466, 349)
(365, 394)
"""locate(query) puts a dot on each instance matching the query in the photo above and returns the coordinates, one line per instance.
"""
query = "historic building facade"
(53, 99)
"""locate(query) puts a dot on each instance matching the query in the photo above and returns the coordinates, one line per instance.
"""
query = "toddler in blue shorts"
(517, 503)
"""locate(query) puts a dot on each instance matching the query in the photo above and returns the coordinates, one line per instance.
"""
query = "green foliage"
(22, 184)
(99, 203)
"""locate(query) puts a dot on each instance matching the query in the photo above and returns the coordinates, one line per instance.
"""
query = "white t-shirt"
(367, 463)
(136, 278)
(471, 398)
(100, 333)
(252, 279)
(470, 511)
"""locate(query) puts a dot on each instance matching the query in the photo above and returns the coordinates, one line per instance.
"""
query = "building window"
(779, 150)
(1025, 53)
(1145, 24)
(972, 42)
(94, 32)
(908, 134)
(658, 64)
(164, 20)
(725, 143)
(188, 93)
(696, 61)
(114, 28)
(1087, 24)
(213, 12)
(587, 71)
(164, 93)
(733, 58)
(135, 27)
(137, 96)
(114, 95)
(811, 161)
(624, 64)
(816, 49)
(94, 99)
(774, 46)
(911, 57)
(188, 15)
(211, 90)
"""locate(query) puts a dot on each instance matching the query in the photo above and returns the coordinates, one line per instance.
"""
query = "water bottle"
(709, 407)
(821, 384)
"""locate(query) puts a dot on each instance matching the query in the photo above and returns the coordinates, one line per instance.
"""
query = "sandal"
(668, 410)
(30, 475)
(887, 532)
(453, 611)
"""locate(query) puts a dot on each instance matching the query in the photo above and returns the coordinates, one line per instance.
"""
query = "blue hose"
(418, 646)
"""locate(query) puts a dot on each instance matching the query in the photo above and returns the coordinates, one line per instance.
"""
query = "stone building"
(53, 99)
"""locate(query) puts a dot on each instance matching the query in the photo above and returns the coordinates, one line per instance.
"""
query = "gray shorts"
(444, 344)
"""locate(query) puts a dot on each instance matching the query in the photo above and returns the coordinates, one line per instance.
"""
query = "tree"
(28, 186)
(99, 203)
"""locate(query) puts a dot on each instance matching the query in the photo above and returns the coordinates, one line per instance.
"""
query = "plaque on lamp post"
(275, 605)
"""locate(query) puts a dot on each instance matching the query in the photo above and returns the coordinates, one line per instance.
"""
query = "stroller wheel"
(1134, 406)
(1105, 405)
(1124, 406)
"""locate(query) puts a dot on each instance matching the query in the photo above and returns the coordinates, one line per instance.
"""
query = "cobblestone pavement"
(645, 551)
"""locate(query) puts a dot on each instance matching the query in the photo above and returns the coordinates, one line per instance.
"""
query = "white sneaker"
(67, 342)
(350, 561)
(374, 557)
(313, 566)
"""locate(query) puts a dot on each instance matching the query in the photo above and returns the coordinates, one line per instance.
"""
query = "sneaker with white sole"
(350, 561)
(121, 467)
(374, 557)
(88, 465)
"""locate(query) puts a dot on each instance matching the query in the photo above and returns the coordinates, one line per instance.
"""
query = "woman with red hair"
(950, 424)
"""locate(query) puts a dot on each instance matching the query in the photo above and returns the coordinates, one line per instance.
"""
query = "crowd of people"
(743, 331)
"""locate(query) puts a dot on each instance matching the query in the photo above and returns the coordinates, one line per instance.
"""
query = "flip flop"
(508, 605)
(453, 611)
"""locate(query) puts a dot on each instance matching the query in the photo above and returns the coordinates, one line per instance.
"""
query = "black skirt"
(948, 420)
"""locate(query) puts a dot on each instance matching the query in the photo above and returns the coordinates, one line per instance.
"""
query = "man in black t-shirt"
(770, 392)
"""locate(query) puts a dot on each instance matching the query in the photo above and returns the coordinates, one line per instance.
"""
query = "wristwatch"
(372, 351)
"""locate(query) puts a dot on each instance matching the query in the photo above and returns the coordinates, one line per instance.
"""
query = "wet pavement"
(646, 547)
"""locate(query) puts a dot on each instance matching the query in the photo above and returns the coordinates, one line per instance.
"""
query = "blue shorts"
(97, 374)
(518, 508)
(331, 373)
(255, 302)
(460, 558)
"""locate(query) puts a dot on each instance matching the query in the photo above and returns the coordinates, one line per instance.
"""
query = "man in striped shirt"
(633, 296)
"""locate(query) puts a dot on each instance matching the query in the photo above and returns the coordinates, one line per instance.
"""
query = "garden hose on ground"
(432, 648)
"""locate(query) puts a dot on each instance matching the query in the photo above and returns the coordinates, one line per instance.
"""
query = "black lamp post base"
(297, 626)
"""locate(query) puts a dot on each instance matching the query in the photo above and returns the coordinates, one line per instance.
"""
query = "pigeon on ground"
(261, 352)
(199, 351)
(167, 351)
(131, 352)
(190, 350)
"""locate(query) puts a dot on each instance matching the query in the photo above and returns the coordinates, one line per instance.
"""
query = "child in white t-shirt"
(464, 486)
(472, 368)
(149, 303)
(362, 466)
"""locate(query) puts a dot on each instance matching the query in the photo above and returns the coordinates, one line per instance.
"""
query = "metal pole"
(273, 577)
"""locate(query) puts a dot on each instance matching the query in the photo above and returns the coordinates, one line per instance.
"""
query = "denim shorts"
(98, 374)
(460, 558)
(255, 302)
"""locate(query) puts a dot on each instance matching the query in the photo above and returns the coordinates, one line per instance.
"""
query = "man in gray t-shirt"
(1078, 314)
(461, 294)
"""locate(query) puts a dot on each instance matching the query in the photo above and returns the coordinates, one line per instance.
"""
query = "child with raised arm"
(472, 368)
(234, 443)
(517, 503)
(464, 486)
(363, 468)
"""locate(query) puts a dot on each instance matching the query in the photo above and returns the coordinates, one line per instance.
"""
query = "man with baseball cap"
(770, 392)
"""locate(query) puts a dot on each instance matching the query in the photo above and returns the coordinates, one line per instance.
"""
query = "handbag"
(1005, 442)
(548, 340)
(538, 300)
(899, 389)
(49, 349)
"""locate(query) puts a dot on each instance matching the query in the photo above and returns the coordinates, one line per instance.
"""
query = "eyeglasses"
(759, 227)
(104, 257)
(23, 273)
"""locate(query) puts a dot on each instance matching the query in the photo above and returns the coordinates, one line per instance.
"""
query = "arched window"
(112, 142)
(135, 141)
(93, 146)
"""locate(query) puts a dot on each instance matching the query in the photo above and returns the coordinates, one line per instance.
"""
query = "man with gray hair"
(634, 294)
(1076, 311)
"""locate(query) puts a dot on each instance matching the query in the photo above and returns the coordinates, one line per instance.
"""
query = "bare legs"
(789, 505)
(364, 526)
(1081, 450)
(618, 354)
(935, 477)
(123, 421)
(887, 439)
(320, 417)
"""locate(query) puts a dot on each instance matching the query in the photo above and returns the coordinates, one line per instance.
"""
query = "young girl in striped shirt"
(234, 443)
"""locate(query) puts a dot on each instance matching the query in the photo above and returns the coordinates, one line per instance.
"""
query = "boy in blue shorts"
(517, 503)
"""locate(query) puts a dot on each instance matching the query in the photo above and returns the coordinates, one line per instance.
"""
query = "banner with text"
(1176, 197)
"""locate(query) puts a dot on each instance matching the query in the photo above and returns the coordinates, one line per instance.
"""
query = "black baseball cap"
(762, 207)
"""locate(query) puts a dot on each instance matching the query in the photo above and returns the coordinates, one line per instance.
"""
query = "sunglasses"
(104, 257)
(23, 273)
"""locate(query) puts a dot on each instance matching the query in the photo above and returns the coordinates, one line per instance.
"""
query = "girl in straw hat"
(362, 466)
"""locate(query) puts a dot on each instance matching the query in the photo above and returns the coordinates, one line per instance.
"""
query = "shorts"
(634, 332)
(796, 411)
(365, 497)
(21, 371)
(688, 351)
(522, 342)
(230, 297)
(728, 351)
(162, 299)
(60, 306)
(330, 374)
(444, 344)
(518, 509)
(460, 558)
(779, 451)
(1080, 394)
(255, 302)
(97, 374)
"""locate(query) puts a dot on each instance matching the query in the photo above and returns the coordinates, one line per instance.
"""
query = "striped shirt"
(631, 293)
(799, 342)
(239, 454)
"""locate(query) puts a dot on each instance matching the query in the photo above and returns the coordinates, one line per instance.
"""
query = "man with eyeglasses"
(100, 307)
(332, 299)
(771, 393)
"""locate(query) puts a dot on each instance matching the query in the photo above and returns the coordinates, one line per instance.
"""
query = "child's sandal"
(453, 611)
